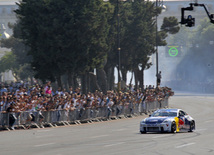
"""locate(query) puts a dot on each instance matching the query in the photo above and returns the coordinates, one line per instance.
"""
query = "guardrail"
(41, 119)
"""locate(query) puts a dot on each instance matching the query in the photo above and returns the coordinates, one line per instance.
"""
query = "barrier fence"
(41, 119)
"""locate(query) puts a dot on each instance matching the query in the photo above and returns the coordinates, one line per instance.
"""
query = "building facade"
(7, 16)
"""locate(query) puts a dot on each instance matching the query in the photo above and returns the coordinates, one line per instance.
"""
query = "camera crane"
(190, 21)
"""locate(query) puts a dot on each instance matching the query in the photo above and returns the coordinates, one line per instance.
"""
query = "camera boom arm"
(191, 21)
(183, 19)
(211, 16)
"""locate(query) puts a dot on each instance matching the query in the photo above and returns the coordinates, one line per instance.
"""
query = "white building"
(7, 15)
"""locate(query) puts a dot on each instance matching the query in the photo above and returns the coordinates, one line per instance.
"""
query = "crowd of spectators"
(22, 97)
(37, 97)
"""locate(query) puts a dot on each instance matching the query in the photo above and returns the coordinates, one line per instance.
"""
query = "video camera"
(190, 21)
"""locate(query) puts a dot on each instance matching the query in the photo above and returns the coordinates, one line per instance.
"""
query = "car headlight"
(143, 121)
(166, 121)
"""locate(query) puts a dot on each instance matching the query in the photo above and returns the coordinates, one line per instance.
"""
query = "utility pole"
(118, 45)
(158, 4)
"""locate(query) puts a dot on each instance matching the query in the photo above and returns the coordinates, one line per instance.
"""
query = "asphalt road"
(119, 137)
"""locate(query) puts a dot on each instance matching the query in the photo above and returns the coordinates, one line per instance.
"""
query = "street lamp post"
(156, 45)
(158, 3)
(118, 45)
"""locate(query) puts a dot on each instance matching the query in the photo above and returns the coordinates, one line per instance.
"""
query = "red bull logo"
(181, 121)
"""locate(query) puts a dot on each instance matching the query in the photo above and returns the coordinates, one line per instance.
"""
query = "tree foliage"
(70, 37)
(17, 60)
(7, 62)
(139, 38)
(63, 35)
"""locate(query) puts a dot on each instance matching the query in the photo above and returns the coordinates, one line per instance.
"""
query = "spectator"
(1, 104)
(48, 91)
(3, 89)
(159, 78)
(70, 90)
(12, 118)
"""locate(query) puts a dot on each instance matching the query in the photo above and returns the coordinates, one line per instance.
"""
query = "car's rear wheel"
(173, 127)
(192, 126)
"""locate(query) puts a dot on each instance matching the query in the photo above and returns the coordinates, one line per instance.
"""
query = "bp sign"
(172, 51)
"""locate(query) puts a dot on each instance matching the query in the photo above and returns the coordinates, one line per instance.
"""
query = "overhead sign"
(172, 51)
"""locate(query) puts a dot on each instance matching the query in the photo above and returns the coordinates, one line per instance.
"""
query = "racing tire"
(191, 127)
(142, 132)
(173, 127)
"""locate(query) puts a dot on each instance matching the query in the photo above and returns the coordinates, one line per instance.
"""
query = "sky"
(8, 2)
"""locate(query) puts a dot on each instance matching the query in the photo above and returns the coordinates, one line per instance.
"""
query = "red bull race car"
(167, 120)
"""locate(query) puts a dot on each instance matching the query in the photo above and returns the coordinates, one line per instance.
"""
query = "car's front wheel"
(142, 132)
(192, 126)
(173, 127)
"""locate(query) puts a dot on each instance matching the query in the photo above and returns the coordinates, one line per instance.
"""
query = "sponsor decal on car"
(177, 124)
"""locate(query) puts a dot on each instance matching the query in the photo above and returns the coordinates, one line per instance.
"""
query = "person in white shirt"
(109, 107)
(1, 104)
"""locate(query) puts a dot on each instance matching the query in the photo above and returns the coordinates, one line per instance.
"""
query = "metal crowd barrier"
(67, 117)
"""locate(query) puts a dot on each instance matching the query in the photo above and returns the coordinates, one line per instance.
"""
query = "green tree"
(137, 33)
(112, 55)
(17, 60)
(65, 37)
(72, 38)
(140, 38)
(8, 62)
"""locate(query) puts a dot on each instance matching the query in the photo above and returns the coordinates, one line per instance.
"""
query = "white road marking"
(161, 136)
(120, 130)
(44, 144)
(209, 121)
(200, 129)
(99, 136)
(114, 144)
(184, 145)
(43, 130)
(44, 136)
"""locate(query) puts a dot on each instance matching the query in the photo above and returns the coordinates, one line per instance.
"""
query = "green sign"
(173, 51)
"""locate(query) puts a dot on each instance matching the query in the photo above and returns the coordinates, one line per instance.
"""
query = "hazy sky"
(8, 2)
